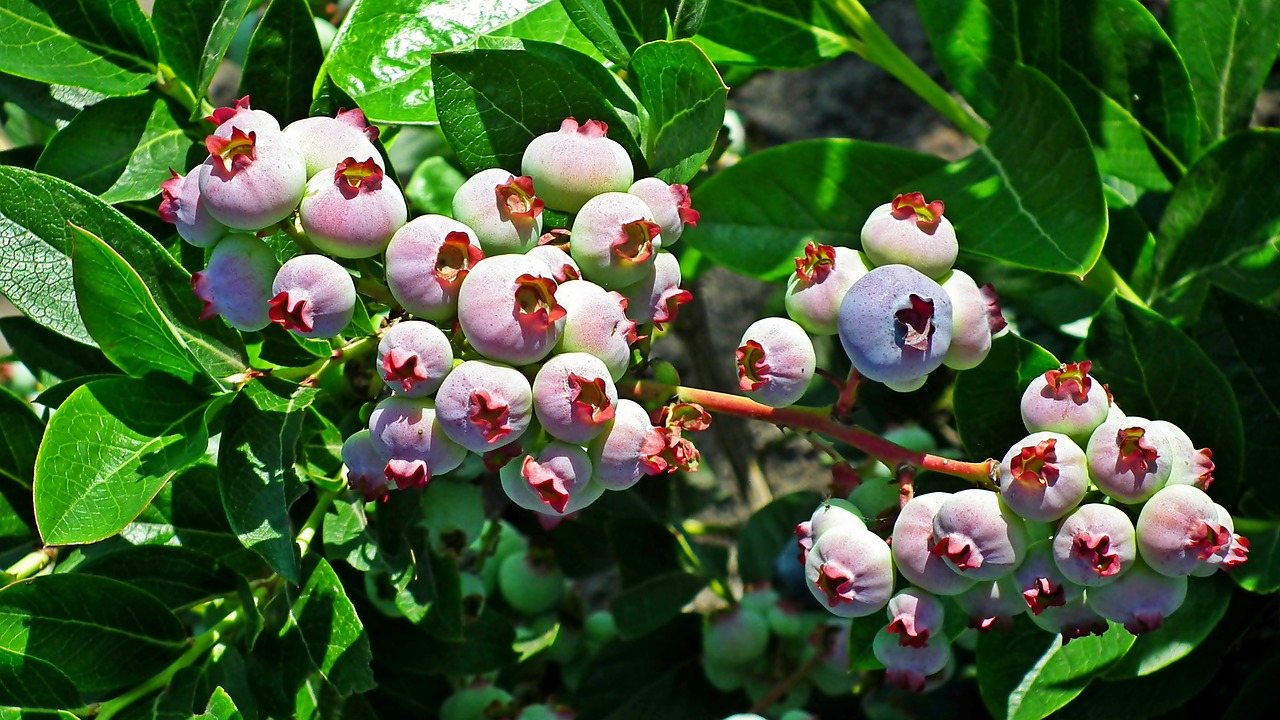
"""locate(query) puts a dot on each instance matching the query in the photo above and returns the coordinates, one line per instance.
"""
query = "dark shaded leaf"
(988, 398)
(283, 61)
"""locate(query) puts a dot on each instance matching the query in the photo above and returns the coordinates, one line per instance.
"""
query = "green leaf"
(283, 61)
(988, 397)
(220, 707)
(347, 535)
(1031, 196)
(1229, 47)
(1220, 224)
(1243, 340)
(30, 682)
(686, 16)
(771, 33)
(758, 215)
(433, 185)
(333, 638)
(1155, 371)
(1261, 574)
(652, 603)
(685, 98)
(36, 275)
(52, 105)
(176, 576)
(20, 439)
(185, 27)
(102, 634)
(549, 23)
(592, 19)
(1025, 673)
(1161, 694)
(491, 103)
(1111, 58)
(120, 149)
(1181, 633)
(486, 645)
(121, 315)
(43, 350)
(109, 449)
(769, 530)
(381, 56)
(656, 676)
(58, 42)
(256, 475)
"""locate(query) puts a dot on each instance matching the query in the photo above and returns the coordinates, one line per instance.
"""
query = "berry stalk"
(817, 420)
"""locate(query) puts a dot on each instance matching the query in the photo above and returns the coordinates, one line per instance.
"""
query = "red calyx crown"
(817, 263)
(170, 191)
(353, 178)
(1071, 381)
(489, 415)
(635, 243)
(915, 323)
(233, 153)
(516, 199)
(753, 371)
(1035, 463)
(591, 128)
(684, 208)
(294, 315)
(550, 487)
(403, 366)
(911, 206)
(356, 119)
(456, 257)
(591, 404)
(223, 114)
(536, 301)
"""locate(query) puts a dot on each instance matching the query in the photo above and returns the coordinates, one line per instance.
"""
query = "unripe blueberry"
(237, 282)
(850, 571)
(573, 397)
(819, 284)
(1233, 554)
(669, 205)
(912, 544)
(895, 324)
(414, 357)
(453, 513)
(502, 209)
(1095, 545)
(1190, 466)
(776, 361)
(312, 296)
(787, 621)
(614, 240)
(599, 628)
(242, 116)
(1129, 459)
(576, 163)
(1178, 530)
(563, 268)
(978, 535)
(427, 260)
(557, 482)
(909, 231)
(629, 448)
(914, 616)
(365, 466)
(596, 322)
(657, 297)
(727, 678)
(528, 586)
(180, 204)
(326, 141)
(992, 604)
(483, 406)
(1044, 476)
(970, 325)
(735, 637)
(545, 712)
(476, 703)
(406, 432)
(508, 310)
(1066, 400)
(1041, 583)
(1074, 619)
(352, 210)
(1140, 600)
(249, 181)
(907, 666)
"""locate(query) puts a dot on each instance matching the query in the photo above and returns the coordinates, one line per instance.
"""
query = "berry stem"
(848, 394)
(30, 564)
(818, 420)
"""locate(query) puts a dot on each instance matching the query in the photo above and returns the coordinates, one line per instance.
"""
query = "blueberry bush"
(345, 374)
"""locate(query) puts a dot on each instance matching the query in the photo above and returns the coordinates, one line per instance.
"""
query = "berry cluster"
(1099, 517)
(518, 337)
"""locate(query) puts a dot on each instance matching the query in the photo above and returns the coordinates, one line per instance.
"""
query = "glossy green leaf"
(1155, 371)
(20, 439)
(120, 149)
(193, 35)
(110, 448)
(283, 61)
(433, 185)
(771, 33)
(1261, 574)
(1180, 633)
(102, 634)
(1158, 695)
(335, 642)
(988, 397)
(1026, 674)
(176, 576)
(1218, 225)
(36, 212)
(652, 603)
(1111, 58)
(102, 45)
(493, 102)
(347, 535)
(685, 98)
(592, 19)
(53, 105)
(687, 16)
(43, 350)
(221, 707)
(256, 474)
(769, 531)
(548, 23)
(1031, 196)
(29, 682)
(1229, 47)
(758, 215)
(382, 54)
(121, 315)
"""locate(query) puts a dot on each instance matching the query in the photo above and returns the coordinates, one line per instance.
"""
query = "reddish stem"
(848, 394)
(818, 420)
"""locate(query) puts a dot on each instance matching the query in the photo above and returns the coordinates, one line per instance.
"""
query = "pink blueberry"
(614, 239)
(250, 182)
(576, 163)
(1129, 459)
(352, 209)
(909, 231)
(992, 604)
(629, 448)
(241, 115)
(563, 268)
(327, 141)
(850, 571)
(1095, 545)
(414, 357)
(556, 482)
(508, 311)
(912, 535)
(180, 205)
(502, 209)
(427, 260)
(670, 206)
(822, 277)
(1140, 600)
(1066, 400)
(366, 467)
(573, 397)
(970, 322)
(895, 325)
(978, 535)
(596, 322)
(908, 666)
(1178, 530)
(405, 431)
(1042, 585)
(1191, 466)
(915, 616)
(483, 406)
(1044, 476)
(1230, 556)
(657, 297)
(776, 361)
(831, 514)
(312, 296)
(237, 282)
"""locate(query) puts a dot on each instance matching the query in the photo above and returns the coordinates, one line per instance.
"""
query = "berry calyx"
(912, 206)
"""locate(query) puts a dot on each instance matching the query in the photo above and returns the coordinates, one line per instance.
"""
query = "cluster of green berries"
(513, 338)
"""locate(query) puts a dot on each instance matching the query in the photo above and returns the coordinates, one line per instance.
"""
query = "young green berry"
(735, 637)
(530, 587)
